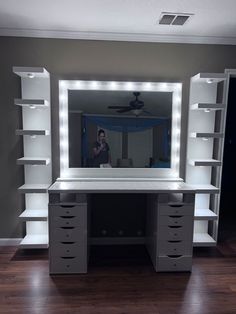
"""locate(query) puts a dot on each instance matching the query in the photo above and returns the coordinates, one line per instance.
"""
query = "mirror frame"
(171, 173)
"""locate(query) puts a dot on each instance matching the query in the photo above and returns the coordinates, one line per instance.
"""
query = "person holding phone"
(101, 150)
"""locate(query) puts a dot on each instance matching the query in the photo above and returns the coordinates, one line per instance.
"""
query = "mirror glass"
(119, 128)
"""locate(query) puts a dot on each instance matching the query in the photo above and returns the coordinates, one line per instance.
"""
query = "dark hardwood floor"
(121, 280)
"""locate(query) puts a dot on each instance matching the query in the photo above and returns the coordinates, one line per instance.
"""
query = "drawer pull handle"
(174, 241)
(175, 227)
(67, 227)
(176, 205)
(67, 206)
(67, 217)
(175, 216)
(67, 257)
(174, 256)
(67, 242)
(68, 251)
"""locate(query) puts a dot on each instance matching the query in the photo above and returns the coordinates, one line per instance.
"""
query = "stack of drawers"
(175, 236)
(68, 238)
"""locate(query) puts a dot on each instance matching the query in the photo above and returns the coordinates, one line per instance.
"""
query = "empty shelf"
(34, 188)
(204, 214)
(35, 241)
(206, 135)
(34, 215)
(203, 239)
(205, 106)
(32, 103)
(205, 188)
(31, 72)
(33, 161)
(209, 77)
(204, 162)
(32, 132)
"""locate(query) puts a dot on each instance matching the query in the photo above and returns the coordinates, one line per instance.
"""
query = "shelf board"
(206, 135)
(32, 132)
(35, 241)
(33, 161)
(205, 188)
(34, 188)
(204, 162)
(34, 215)
(39, 103)
(31, 72)
(205, 106)
(205, 77)
(203, 239)
(204, 214)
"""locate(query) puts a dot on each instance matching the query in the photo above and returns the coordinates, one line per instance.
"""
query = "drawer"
(175, 220)
(175, 247)
(174, 263)
(67, 234)
(175, 209)
(65, 265)
(68, 249)
(79, 210)
(183, 233)
(66, 221)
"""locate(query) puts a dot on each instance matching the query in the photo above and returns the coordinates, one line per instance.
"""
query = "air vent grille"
(174, 18)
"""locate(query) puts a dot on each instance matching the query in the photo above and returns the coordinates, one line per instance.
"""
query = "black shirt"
(103, 156)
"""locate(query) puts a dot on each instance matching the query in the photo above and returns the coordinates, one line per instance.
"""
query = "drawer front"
(175, 220)
(65, 265)
(78, 210)
(175, 209)
(174, 263)
(176, 247)
(71, 234)
(68, 249)
(66, 221)
(175, 233)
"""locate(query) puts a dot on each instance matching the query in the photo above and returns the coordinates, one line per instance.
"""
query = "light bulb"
(30, 75)
(32, 107)
(207, 110)
(209, 80)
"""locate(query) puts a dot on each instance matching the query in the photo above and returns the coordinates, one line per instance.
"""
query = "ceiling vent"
(174, 18)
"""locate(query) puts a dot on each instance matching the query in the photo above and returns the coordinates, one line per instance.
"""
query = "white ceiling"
(214, 21)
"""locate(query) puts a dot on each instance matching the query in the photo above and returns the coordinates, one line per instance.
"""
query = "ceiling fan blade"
(124, 110)
(118, 107)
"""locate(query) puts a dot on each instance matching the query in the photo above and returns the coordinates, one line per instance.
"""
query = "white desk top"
(125, 186)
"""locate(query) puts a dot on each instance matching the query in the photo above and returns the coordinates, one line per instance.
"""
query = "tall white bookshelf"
(36, 159)
(206, 127)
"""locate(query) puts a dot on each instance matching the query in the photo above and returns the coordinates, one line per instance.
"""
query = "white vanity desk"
(169, 230)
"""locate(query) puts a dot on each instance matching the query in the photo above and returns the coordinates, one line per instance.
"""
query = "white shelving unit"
(35, 132)
(207, 111)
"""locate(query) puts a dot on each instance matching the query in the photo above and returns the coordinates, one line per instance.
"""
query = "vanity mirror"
(119, 129)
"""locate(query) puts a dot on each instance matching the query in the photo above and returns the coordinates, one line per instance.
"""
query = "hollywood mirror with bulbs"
(140, 122)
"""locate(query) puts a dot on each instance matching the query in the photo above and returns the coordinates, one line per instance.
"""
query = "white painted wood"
(34, 215)
(205, 106)
(35, 102)
(204, 162)
(203, 103)
(33, 241)
(27, 72)
(32, 103)
(124, 186)
(32, 132)
(204, 214)
(206, 135)
(33, 161)
(203, 239)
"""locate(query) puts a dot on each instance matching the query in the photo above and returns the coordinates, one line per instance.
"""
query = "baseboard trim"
(117, 241)
(10, 241)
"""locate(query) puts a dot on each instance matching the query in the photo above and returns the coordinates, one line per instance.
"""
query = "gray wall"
(87, 60)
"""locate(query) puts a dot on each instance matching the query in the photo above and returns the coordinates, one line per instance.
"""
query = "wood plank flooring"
(121, 280)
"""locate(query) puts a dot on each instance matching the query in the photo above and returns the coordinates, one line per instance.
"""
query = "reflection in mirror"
(119, 128)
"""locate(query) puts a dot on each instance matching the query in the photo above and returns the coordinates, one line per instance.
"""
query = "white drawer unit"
(68, 238)
(172, 248)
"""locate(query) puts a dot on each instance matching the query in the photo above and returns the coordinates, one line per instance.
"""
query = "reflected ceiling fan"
(135, 106)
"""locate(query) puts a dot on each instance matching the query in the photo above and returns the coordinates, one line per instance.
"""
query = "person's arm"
(97, 150)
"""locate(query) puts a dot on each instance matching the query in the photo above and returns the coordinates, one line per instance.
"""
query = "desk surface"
(129, 186)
